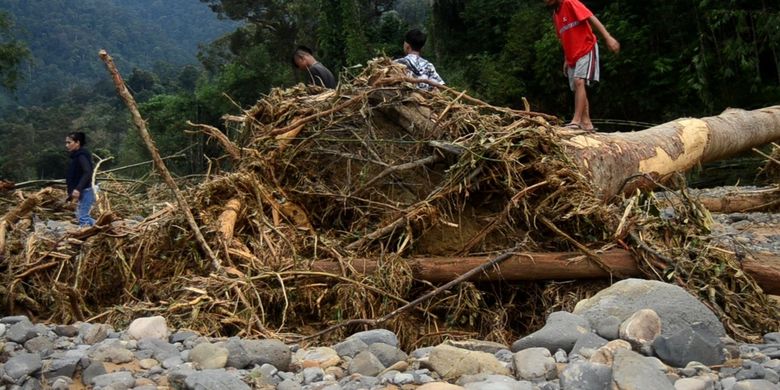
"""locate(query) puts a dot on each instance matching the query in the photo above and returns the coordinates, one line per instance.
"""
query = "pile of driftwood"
(434, 214)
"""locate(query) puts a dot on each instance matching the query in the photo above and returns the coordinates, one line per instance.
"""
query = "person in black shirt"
(79, 177)
(304, 60)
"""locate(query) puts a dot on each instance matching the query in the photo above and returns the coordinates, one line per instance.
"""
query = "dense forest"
(199, 59)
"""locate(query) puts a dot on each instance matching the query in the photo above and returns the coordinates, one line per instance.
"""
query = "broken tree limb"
(13, 215)
(227, 220)
(139, 122)
(764, 268)
(622, 162)
(27, 205)
(232, 150)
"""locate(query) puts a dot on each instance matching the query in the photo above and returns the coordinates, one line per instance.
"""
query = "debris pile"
(374, 169)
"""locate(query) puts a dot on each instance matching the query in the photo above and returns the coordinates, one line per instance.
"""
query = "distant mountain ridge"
(65, 36)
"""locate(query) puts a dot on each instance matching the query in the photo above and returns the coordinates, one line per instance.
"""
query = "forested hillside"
(678, 58)
(65, 35)
(64, 85)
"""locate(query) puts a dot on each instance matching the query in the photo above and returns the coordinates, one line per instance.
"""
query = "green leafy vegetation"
(12, 54)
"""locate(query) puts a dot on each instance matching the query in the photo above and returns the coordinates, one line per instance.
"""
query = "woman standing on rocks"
(79, 177)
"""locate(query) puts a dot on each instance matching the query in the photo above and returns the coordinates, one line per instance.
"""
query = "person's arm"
(434, 76)
(612, 43)
(86, 177)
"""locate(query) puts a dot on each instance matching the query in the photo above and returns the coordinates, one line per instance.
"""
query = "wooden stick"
(401, 167)
(226, 221)
(768, 157)
(304, 120)
(158, 162)
(232, 150)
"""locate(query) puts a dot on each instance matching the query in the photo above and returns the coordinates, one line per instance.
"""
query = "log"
(736, 200)
(623, 162)
(764, 268)
(740, 201)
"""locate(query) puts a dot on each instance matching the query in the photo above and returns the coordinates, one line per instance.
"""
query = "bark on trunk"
(623, 162)
(765, 269)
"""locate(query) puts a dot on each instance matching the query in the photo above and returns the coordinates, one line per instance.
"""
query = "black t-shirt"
(320, 75)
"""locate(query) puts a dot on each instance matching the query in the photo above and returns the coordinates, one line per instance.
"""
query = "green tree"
(166, 117)
(354, 33)
(12, 54)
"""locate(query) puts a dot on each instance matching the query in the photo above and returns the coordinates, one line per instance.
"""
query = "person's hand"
(612, 44)
(75, 195)
(565, 70)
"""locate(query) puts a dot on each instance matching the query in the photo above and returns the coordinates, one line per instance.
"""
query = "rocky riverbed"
(636, 334)
(757, 232)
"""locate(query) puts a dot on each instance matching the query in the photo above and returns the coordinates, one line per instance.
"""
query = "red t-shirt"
(573, 29)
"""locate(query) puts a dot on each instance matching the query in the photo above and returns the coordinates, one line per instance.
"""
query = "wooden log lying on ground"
(622, 162)
(742, 201)
(764, 268)
(736, 200)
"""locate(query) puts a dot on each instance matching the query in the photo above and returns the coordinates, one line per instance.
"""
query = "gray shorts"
(587, 67)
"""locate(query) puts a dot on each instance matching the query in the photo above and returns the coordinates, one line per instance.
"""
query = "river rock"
(535, 365)
(439, 386)
(640, 329)
(493, 382)
(451, 362)
(387, 354)
(675, 306)
(586, 376)
(377, 336)
(589, 340)
(322, 357)
(561, 330)
(21, 331)
(214, 379)
(631, 370)
(209, 356)
(22, 364)
(350, 347)
(690, 343)
(154, 327)
(365, 363)
(755, 384)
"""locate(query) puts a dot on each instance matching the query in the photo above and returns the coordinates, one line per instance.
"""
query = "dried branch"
(158, 162)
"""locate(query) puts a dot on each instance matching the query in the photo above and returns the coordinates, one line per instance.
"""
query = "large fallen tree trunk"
(764, 268)
(622, 162)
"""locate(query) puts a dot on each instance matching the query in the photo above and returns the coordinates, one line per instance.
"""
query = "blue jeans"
(86, 200)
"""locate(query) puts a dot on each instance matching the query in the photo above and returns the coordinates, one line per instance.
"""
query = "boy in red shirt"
(573, 23)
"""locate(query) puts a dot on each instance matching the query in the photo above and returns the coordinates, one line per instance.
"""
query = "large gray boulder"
(676, 307)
